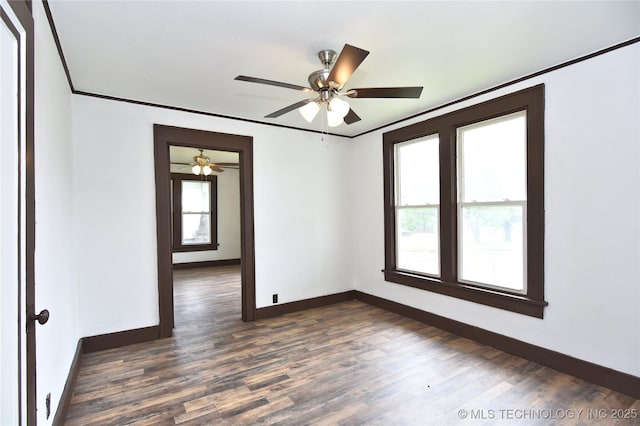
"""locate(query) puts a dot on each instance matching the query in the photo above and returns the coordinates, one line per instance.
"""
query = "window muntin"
(509, 211)
(492, 204)
(417, 205)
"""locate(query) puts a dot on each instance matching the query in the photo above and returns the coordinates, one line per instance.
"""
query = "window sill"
(518, 303)
(196, 247)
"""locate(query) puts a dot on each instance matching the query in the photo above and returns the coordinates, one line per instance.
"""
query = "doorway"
(164, 138)
(206, 235)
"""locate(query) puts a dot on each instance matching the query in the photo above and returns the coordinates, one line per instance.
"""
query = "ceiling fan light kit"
(200, 170)
(327, 84)
(202, 165)
(309, 111)
(337, 109)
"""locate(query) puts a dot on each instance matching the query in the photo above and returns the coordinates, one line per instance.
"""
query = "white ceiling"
(186, 53)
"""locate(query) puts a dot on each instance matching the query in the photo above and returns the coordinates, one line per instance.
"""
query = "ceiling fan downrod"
(327, 57)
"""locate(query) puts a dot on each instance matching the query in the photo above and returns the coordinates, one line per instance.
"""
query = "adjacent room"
(320, 212)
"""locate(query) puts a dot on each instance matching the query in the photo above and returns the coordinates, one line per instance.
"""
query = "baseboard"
(206, 263)
(594, 373)
(120, 338)
(69, 385)
(301, 305)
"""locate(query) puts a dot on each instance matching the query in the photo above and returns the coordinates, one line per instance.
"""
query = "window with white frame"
(492, 201)
(417, 205)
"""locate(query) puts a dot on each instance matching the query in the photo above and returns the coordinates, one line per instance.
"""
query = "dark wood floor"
(349, 363)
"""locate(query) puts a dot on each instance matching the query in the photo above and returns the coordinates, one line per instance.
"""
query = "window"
(417, 205)
(194, 213)
(492, 198)
(464, 203)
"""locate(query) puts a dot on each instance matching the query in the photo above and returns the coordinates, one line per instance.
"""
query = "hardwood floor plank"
(204, 412)
(347, 364)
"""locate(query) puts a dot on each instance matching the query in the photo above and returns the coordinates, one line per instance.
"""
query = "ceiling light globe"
(333, 119)
(309, 111)
(196, 169)
(207, 170)
(339, 106)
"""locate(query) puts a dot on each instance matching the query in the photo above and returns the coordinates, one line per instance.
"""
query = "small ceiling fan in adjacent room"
(202, 165)
(327, 85)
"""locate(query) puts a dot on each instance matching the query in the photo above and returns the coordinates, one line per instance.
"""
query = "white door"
(12, 224)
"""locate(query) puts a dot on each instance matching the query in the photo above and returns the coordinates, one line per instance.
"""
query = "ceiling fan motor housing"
(201, 159)
(318, 79)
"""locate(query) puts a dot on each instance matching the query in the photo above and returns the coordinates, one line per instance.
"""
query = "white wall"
(301, 223)
(592, 238)
(55, 277)
(228, 222)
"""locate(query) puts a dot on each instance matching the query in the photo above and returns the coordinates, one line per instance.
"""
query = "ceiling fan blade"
(386, 92)
(349, 59)
(351, 117)
(274, 83)
(216, 168)
(289, 108)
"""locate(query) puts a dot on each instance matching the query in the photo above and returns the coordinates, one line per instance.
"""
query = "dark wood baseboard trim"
(69, 386)
(120, 338)
(301, 305)
(206, 263)
(603, 376)
(93, 344)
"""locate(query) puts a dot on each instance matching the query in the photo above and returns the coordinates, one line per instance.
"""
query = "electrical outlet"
(47, 404)
(275, 298)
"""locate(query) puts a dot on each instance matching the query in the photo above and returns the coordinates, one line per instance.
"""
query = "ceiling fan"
(327, 84)
(202, 165)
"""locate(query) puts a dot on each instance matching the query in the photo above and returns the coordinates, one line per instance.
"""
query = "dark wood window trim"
(177, 179)
(532, 302)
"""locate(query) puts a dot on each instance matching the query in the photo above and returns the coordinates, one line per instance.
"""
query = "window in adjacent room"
(464, 203)
(194, 213)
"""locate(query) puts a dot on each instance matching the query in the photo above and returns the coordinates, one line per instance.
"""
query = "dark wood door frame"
(164, 136)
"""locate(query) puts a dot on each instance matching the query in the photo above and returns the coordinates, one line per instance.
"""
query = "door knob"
(42, 317)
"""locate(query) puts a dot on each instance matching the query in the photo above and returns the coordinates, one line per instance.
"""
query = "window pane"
(195, 196)
(418, 172)
(492, 159)
(196, 228)
(491, 245)
(417, 240)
